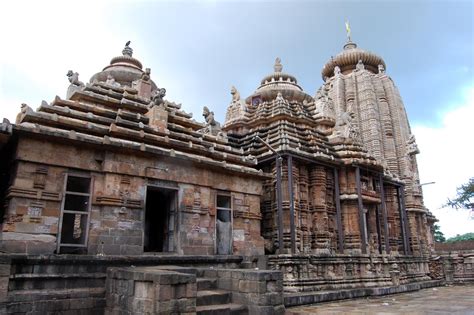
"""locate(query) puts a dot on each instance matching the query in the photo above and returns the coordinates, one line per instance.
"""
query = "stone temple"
(115, 199)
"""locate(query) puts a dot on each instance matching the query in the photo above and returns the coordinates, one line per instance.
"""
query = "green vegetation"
(438, 235)
(463, 237)
(464, 194)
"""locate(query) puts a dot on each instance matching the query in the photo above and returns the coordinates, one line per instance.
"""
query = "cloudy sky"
(198, 49)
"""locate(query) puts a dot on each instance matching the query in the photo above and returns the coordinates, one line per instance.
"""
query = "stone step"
(206, 284)
(58, 294)
(212, 297)
(223, 309)
(55, 281)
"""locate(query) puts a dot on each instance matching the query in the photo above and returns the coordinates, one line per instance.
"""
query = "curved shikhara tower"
(357, 84)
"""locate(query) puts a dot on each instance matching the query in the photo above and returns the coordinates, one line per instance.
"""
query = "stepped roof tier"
(290, 120)
(123, 109)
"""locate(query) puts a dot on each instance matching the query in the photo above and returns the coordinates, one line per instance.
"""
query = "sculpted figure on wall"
(25, 109)
(157, 97)
(212, 126)
(111, 81)
(73, 78)
(237, 106)
(324, 103)
(235, 95)
(360, 65)
(346, 126)
(146, 75)
(411, 146)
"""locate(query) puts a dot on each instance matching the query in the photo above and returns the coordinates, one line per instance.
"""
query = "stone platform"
(442, 300)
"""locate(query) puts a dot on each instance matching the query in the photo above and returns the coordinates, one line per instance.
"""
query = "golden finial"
(348, 31)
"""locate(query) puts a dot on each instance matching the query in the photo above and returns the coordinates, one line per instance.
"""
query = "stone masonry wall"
(117, 213)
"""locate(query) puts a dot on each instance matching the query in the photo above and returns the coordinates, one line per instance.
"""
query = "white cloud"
(42, 40)
(446, 158)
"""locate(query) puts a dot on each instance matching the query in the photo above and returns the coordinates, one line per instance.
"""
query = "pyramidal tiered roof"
(289, 120)
(122, 108)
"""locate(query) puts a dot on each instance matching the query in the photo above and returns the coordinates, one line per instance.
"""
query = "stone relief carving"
(337, 70)
(73, 78)
(360, 65)
(346, 126)
(279, 98)
(324, 103)
(411, 146)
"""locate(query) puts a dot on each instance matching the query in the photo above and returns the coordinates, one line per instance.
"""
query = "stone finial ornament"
(278, 67)
(127, 50)
(73, 78)
(235, 95)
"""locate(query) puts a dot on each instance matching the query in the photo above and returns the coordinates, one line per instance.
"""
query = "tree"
(464, 196)
(438, 235)
(463, 237)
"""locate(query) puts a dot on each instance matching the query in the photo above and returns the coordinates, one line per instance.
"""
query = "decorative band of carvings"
(118, 202)
(33, 194)
(195, 210)
(247, 215)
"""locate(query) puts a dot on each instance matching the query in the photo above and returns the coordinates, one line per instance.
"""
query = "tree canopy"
(463, 237)
(464, 196)
(438, 235)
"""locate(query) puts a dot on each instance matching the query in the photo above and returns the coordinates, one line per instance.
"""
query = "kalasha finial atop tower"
(348, 31)
(127, 50)
(278, 67)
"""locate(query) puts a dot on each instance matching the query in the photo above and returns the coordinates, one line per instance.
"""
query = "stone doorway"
(160, 214)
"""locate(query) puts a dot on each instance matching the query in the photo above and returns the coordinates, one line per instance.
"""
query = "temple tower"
(358, 84)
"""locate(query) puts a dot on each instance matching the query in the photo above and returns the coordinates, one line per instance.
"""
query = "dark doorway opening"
(160, 219)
